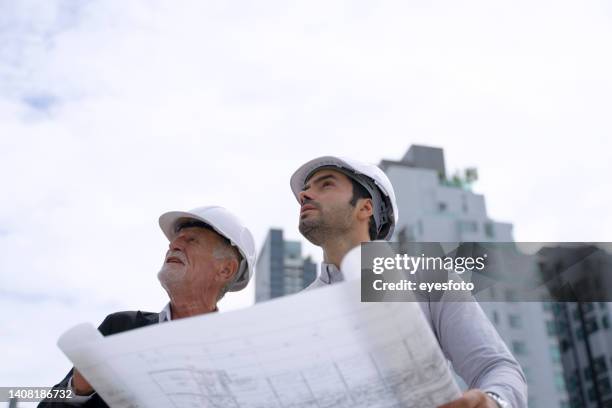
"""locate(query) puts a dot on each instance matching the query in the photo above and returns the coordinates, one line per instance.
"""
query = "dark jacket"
(114, 323)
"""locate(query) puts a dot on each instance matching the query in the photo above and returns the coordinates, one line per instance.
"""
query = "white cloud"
(113, 112)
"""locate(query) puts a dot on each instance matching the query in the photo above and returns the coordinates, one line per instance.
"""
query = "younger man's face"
(326, 210)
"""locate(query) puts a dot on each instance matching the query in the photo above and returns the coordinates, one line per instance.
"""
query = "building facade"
(434, 208)
(281, 269)
(583, 327)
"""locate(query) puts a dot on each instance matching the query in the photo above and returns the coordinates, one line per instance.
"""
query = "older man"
(345, 202)
(210, 253)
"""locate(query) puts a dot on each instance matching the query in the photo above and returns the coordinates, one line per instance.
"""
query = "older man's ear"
(227, 270)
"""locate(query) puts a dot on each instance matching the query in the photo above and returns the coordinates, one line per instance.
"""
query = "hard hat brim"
(299, 177)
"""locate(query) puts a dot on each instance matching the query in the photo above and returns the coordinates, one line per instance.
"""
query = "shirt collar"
(166, 314)
(330, 273)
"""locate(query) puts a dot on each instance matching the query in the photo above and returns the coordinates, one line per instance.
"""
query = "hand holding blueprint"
(321, 348)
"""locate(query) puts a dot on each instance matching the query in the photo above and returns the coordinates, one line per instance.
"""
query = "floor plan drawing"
(319, 349)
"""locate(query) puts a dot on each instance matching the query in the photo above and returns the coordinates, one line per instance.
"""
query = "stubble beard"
(313, 230)
(326, 227)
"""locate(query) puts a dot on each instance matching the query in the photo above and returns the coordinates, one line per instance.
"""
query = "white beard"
(170, 276)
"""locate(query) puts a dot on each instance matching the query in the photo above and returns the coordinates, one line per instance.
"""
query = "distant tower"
(281, 269)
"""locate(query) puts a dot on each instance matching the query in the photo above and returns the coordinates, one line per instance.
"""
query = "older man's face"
(190, 264)
(325, 206)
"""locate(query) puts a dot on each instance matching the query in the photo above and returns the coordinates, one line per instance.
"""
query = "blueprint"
(316, 349)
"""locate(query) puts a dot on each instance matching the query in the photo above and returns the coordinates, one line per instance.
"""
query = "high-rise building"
(281, 269)
(583, 327)
(436, 208)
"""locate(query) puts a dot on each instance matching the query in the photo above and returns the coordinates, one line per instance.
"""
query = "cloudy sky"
(114, 112)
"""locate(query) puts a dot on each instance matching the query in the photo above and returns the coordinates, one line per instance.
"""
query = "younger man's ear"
(366, 209)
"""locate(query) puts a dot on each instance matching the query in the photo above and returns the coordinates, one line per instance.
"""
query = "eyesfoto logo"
(411, 264)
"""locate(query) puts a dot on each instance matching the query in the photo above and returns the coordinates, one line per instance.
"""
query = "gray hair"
(227, 251)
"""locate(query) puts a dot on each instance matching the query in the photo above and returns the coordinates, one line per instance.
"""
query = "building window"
(555, 354)
(551, 328)
(515, 321)
(558, 308)
(565, 345)
(591, 393)
(489, 231)
(587, 374)
(442, 206)
(604, 385)
(510, 295)
(576, 402)
(604, 388)
(605, 322)
(559, 382)
(599, 365)
(591, 325)
(572, 382)
(588, 306)
(468, 226)
(562, 327)
(519, 347)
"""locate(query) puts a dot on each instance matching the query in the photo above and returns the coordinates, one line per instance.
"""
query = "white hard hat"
(370, 176)
(225, 224)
